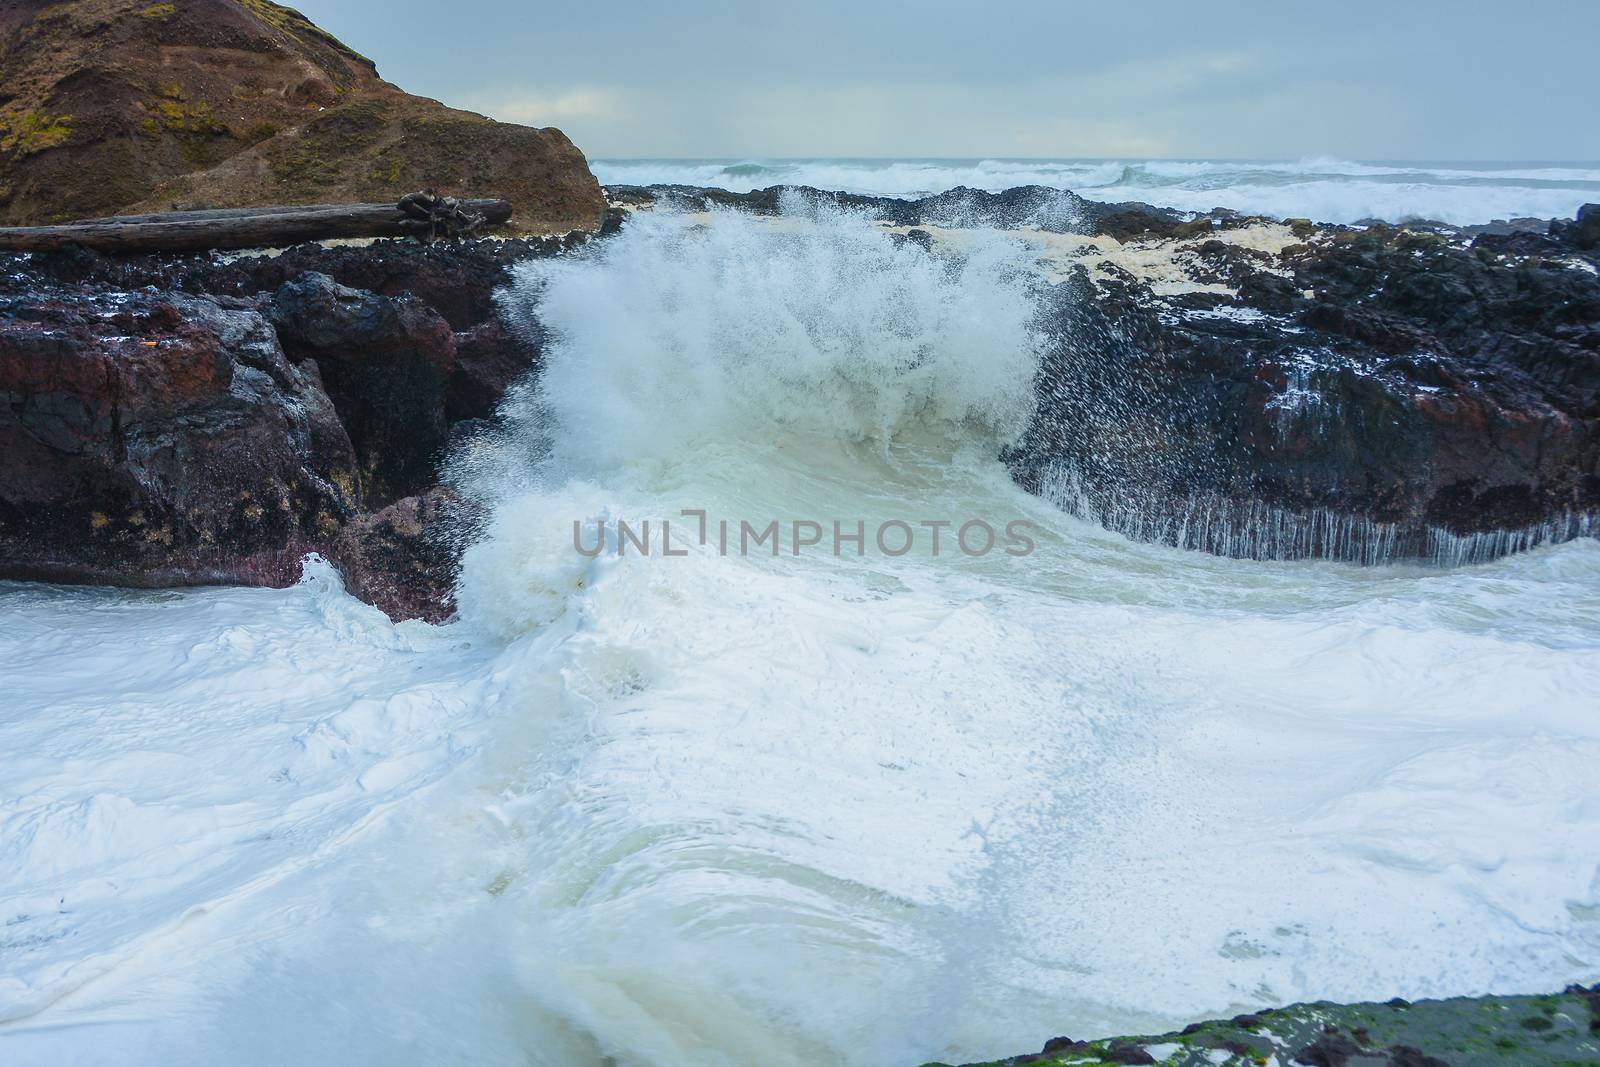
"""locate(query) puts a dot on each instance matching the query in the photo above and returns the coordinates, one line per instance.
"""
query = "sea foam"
(716, 810)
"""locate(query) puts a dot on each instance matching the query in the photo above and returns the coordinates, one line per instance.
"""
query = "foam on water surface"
(716, 810)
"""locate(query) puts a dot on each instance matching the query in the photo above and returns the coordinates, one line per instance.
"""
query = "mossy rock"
(34, 131)
(121, 106)
(321, 152)
(1541, 1031)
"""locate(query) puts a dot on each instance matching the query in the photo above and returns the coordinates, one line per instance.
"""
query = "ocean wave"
(1324, 189)
(784, 809)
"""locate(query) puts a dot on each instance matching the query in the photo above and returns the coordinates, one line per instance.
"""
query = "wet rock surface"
(385, 362)
(1561, 1030)
(405, 558)
(195, 419)
(1369, 395)
(161, 440)
(456, 279)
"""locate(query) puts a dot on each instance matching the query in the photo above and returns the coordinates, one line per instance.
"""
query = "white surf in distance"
(719, 810)
(1324, 190)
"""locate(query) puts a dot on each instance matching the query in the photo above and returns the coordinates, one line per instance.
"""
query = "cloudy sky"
(1396, 79)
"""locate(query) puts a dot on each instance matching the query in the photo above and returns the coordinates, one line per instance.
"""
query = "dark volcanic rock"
(404, 559)
(1431, 1033)
(1368, 395)
(1038, 206)
(161, 440)
(1329, 1050)
(386, 362)
(1582, 232)
(490, 359)
(170, 439)
(1058, 1045)
(1141, 222)
(455, 278)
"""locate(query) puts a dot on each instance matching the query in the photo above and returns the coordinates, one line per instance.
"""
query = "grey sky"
(1397, 79)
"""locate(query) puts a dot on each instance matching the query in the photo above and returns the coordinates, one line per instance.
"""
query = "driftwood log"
(421, 215)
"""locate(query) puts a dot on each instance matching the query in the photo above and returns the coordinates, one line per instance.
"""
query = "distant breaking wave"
(1322, 189)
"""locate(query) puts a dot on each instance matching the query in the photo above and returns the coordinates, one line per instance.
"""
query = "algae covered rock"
(1561, 1030)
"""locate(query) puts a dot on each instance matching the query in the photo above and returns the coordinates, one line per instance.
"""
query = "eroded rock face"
(161, 441)
(175, 420)
(1366, 395)
(386, 362)
(404, 558)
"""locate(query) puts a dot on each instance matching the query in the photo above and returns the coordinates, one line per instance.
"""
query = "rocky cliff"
(108, 106)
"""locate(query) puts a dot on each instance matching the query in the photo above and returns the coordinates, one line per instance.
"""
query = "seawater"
(1321, 189)
(815, 809)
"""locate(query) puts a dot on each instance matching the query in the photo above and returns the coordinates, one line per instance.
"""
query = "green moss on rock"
(322, 149)
(1543, 1031)
(34, 131)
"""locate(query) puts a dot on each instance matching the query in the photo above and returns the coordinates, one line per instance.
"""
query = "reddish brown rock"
(161, 441)
(489, 361)
(404, 559)
(119, 411)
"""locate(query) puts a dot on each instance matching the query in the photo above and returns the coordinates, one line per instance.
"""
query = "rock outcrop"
(111, 106)
(405, 558)
(1558, 1030)
(1365, 395)
(188, 420)
(386, 362)
(161, 441)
